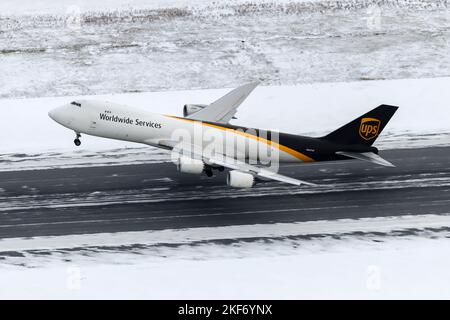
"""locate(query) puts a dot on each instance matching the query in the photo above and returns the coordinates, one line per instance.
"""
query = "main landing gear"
(209, 170)
(77, 140)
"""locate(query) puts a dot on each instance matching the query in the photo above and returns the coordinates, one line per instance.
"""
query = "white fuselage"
(115, 121)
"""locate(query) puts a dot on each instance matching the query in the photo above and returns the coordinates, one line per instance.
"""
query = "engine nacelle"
(189, 165)
(189, 109)
(239, 179)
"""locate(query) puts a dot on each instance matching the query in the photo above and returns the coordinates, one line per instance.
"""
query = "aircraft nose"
(57, 114)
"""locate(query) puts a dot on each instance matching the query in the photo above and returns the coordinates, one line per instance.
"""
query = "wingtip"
(310, 184)
(391, 165)
(254, 84)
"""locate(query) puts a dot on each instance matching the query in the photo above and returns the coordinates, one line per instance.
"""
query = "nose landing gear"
(77, 140)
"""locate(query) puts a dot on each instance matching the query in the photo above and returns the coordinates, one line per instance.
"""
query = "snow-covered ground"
(33, 7)
(86, 47)
(381, 258)
(383, 225)
(325, 268)
(29, 139)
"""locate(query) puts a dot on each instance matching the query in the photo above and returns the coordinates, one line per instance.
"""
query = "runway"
(156, 197)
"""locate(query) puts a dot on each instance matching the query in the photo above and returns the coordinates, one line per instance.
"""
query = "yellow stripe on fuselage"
(288, 150)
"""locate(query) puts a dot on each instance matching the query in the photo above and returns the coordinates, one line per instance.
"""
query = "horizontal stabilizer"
(367, 156)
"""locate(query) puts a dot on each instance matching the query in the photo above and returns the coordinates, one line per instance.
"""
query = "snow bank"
(193, 235)
(32, 7)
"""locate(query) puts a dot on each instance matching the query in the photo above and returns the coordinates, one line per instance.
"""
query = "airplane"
(203, 140)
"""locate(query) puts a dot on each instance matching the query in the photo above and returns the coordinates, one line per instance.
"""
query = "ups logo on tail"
(369, 128)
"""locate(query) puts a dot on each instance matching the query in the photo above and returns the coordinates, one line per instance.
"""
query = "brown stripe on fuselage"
(235, 130)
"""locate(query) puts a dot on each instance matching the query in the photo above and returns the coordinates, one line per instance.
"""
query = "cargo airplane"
(203, 140)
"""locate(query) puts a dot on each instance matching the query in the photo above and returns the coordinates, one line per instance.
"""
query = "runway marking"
(189, 235)
(111, 220)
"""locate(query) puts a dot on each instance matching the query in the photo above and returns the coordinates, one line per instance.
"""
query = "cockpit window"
(76, 104)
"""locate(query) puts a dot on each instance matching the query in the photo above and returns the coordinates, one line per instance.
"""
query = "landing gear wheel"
(221, 169)
(77, 140)
(209, 173)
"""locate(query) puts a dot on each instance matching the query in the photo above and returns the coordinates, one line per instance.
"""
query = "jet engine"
(189, 109)
(189, 165)
(238, 179)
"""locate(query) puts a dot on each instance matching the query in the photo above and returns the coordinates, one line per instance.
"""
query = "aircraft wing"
(224, 109)
(367, 156)
(195, 152)
(256, 171)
